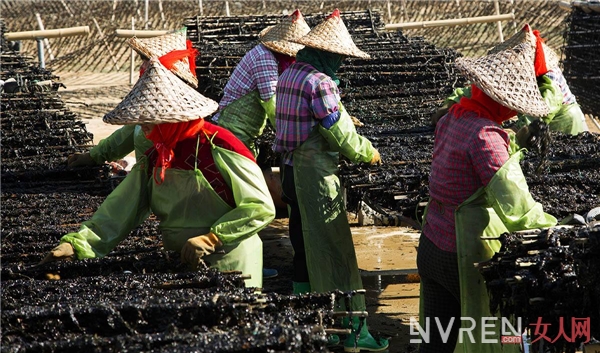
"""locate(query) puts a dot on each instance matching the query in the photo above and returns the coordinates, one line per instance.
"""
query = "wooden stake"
(160, 8)
(499, 23)
(112, 18)
(46, 42)
(132, 60)
(146, 14)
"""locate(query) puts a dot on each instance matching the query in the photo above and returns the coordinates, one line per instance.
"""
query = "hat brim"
(160, 97)
(508, 78)
(284, 47)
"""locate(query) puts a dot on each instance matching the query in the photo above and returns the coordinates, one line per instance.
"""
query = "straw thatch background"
(102, 51)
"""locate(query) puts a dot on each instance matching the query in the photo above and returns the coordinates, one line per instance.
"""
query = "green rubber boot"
(333, 340)
(365, 341)
(301, 287)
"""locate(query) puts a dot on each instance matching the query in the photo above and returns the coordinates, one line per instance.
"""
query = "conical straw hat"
(526, 34)
(508, 77)
(332, 35)
(161, 45)
(279, 37)
(160, 97)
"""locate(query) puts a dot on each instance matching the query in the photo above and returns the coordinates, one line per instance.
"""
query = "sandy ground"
(386, 255)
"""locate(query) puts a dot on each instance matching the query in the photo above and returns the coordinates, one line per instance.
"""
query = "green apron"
(246, 118)
(180, 203)
(504, 205)
(330, 255)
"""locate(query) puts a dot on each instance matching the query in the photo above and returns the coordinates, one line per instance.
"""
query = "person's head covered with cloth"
(212, 196)
(168, 110)
(504, 81)
(176, 54)
(327, 45)
(173, 50)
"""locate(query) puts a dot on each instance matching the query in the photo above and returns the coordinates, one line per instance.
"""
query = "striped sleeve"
(325, 99)
(265, 74)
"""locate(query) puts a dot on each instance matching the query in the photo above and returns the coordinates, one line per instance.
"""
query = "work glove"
(443, 110)
(197, 247)
(376, 160)
(534, 136)
(62, 252)
(80, 160)
(356, 122)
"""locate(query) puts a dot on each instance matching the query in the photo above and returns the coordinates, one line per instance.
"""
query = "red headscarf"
(483, 105)
(165, 136)
(169, 59)
(540, 58)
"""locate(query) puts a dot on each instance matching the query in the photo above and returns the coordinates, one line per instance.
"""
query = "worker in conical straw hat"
(565, 115)
(248, 102)
(176, 54)
(477, 192)
(312, 130)
(200, 181)
(249, 97)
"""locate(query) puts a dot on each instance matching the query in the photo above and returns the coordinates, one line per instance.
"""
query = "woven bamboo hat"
(279, 37)
(160, 97)
(526, 34)
(508, 77)
(332, 35)
(161, 45)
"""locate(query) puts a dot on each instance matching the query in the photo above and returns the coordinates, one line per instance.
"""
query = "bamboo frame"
(452, 22)
(128, 33)
(48, 33)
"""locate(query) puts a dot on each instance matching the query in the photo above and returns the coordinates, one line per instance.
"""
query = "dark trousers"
(295, 224)
(441, 294)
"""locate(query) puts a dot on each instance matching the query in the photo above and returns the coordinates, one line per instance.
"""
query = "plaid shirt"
(557, 77)
(467, 153)
(304, 97)
(258, 69)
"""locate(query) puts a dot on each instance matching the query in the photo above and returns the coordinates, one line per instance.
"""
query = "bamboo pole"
(132, 60)
(162, 13)
(565, 5)
(48, 33)
(499, 23)
(128, 33)
(46, 41)
(66, 7)
(146, 14)
(114, 8)
(453, 22)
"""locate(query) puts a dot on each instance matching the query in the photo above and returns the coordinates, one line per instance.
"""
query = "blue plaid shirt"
(258, 69)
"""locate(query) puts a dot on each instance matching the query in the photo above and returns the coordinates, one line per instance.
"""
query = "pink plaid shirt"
(467, 153)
